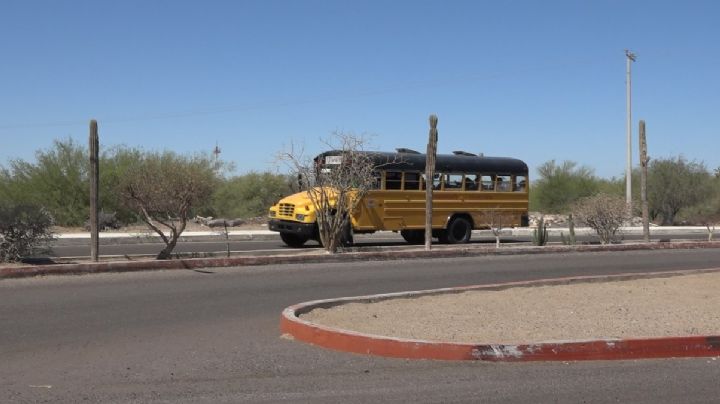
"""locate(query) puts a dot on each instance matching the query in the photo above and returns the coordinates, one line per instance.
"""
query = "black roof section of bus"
(446, 163)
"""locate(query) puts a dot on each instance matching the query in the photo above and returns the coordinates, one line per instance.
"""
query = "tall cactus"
(94, 197)
(429, 171)
(571, 240)
(540, 235)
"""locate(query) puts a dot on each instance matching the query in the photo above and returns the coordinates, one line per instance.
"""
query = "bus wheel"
(293, 240)
(413, 236)
(457, 232)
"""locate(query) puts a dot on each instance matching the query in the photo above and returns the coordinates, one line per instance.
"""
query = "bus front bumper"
(287, 226)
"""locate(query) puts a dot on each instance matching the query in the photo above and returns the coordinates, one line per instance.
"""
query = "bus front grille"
(286, 209)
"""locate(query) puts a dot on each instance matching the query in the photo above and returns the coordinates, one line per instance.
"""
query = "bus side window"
(488, 182)
(470, 182)
(520, 183)
(393, 179)
(453, 181)
(504, 183)
(377, 180)
(412, 181)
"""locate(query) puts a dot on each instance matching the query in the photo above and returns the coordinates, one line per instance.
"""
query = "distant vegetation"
(58, 181)
(679, 191)
(249, 195)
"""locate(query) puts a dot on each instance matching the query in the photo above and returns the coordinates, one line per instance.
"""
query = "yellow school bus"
(469, 192)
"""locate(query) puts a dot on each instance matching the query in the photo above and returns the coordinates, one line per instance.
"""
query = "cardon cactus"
(540, 235)
(571, 227)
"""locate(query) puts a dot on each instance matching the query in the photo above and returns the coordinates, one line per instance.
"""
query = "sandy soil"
(677, 306)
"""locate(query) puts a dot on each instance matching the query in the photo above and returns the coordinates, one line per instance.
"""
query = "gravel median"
(642, 308)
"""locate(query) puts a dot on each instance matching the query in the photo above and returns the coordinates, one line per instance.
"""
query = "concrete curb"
(111, 238)
(440, 251)
(293, 326)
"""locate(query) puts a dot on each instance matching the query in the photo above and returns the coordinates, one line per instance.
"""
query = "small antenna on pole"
(216, 152)
(630, 55)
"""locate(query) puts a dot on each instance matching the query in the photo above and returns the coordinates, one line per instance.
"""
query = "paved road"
(276, 245)
(212, 336)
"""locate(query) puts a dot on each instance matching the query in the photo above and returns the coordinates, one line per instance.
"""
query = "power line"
(322, 99)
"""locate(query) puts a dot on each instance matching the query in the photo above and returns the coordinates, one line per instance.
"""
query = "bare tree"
(603, 213)
(710, 229)
(163, 188)
(335, 182)
(493, 220)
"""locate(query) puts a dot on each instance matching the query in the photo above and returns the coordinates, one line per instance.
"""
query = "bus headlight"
(272, 213)
(300, 217)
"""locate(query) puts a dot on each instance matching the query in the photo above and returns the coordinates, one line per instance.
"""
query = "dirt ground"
(675, 306)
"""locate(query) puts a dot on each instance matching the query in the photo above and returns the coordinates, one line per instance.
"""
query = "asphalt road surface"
(277, 246)
(212, 336)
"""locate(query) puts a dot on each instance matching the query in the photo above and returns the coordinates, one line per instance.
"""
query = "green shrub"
(249, 195)
(24, 228)
(560, 185)
(58, 181)
(675, 184)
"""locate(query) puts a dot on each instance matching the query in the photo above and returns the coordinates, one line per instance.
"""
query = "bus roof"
(446, 163)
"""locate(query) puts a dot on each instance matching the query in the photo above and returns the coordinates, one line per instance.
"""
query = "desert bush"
(164, 189)
(249, 195)
(24, 228)
(603, 213)
(57, 180)
(675, 184)
(560, 185)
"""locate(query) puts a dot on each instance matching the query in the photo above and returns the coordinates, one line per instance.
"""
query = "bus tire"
(413, 236)
(458, 231)
(293, 240)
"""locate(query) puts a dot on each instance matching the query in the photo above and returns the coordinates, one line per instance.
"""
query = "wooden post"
(94, 197)
(429, 172)
(643, 182)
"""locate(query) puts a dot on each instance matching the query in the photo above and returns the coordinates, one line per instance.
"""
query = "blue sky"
(536, 80)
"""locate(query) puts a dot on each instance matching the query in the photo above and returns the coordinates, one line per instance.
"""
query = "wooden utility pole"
(429, 172)
(643, 182)
(94, 197)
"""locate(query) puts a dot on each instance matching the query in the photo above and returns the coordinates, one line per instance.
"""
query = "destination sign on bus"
(333, 160)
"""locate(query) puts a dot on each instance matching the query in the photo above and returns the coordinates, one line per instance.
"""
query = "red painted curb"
(606, 349)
